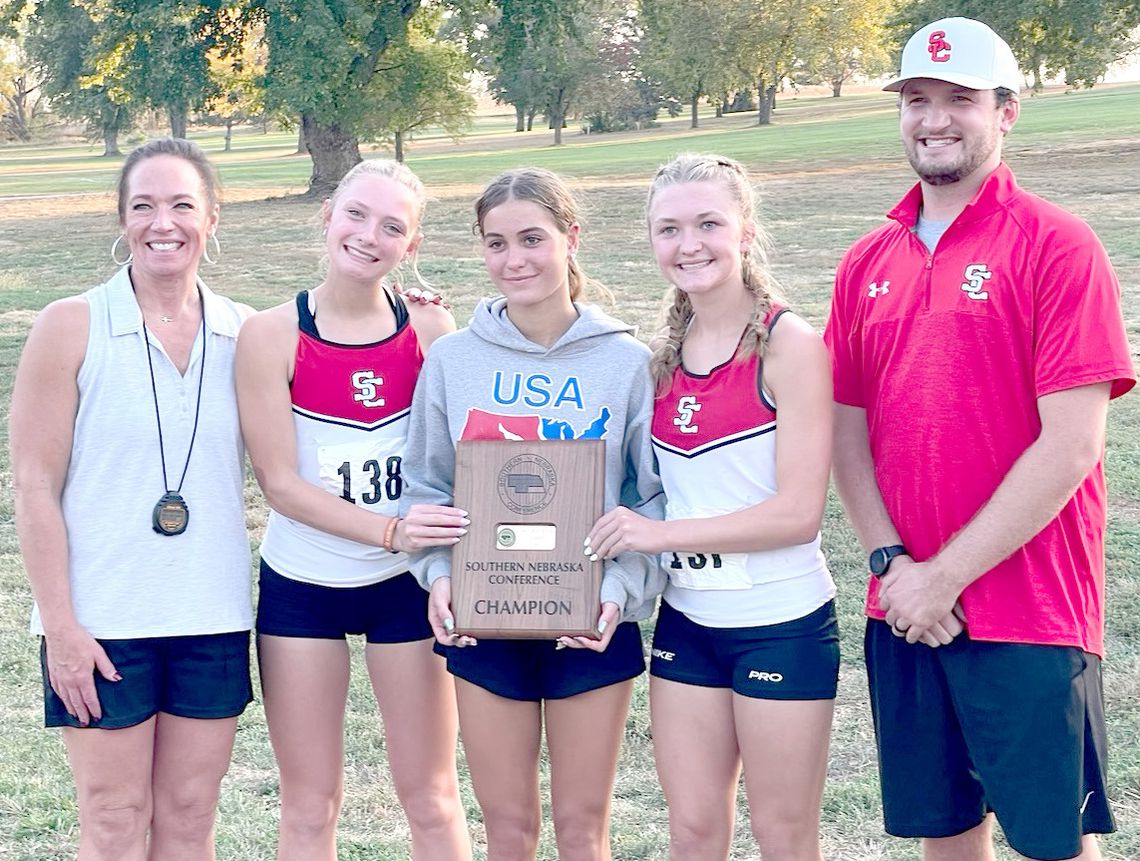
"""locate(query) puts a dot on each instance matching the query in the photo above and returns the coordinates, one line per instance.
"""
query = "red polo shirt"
(948, 353)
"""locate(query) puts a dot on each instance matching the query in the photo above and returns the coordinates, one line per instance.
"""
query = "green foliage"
(424, 83)
(620, 96)
(152, 53)
(844, 38)
(689, 47)
(60, 41)
(324, 55)
(545, 51)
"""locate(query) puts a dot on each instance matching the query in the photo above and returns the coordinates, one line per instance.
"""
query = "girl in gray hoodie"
(537, 364)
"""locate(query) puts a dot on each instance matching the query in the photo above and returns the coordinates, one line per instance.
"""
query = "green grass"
(829, 171)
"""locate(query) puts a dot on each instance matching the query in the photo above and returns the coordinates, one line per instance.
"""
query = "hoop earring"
(217, 250)
(115, 247)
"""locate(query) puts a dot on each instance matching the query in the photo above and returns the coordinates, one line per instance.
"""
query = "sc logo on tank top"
(367, 384)
(687, 407)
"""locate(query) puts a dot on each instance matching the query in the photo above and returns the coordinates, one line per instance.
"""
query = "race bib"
(364, 472)
(704, 571)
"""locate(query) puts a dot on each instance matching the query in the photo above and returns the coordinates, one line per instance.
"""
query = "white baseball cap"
(962, 51)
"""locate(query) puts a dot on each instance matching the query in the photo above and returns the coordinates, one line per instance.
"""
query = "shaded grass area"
(826, 178)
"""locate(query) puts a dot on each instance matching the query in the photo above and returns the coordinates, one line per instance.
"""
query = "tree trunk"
(302, 144)
(836, 86)
(177, 114)
(520, 118)
(111, 141)
(772, 98)
(530, 118)
(112, 118)
(334, 152)
(229, 135)
(694, 120)
(557, 119)
(764, 112)
(400, 147)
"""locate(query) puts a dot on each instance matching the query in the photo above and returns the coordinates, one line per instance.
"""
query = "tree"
(153, 53)
(60, 43)
(323, 58)
(766, 38)
(21, 96)
(236, 71)
(620, 95)
(844, 38)
(1048, 37)
(544, 51)
(424, 82)
(687, 47)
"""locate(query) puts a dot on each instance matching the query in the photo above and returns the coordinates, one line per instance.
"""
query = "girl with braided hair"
(746, 650)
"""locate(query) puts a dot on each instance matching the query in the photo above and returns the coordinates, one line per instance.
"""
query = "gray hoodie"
(488, 381)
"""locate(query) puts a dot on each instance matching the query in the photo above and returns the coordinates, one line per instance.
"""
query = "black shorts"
(796, 660)
(977, 726)
(203, 676)
(535, 670)
(391, 611)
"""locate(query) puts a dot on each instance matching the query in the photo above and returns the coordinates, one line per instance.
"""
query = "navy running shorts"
(391, 611)
(203, 676)
(795, 660)
(535, 670)
(976, 726)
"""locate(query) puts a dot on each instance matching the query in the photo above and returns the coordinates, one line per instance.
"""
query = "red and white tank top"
(351, 404)
(715, 439)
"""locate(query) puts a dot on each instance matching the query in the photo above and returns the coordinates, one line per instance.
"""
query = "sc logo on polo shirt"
(976, 275)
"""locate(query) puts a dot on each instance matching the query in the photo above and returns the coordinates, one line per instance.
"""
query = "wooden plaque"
(520, 571)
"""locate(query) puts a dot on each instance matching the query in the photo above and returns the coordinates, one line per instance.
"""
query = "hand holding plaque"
(520, 570)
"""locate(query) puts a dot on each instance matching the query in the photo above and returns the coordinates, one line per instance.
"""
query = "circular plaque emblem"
(527, 483)
(507, 537)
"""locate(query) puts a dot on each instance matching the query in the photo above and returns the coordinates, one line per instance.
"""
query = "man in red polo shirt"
(976, 341)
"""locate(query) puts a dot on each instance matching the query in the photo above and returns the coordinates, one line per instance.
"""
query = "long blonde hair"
(401, 173)
(548, 190)
(697, 167)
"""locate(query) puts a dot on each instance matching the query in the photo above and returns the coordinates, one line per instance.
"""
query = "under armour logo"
(976, 275)
(366, 384)
(874, 290)
(938, 47)
(686, 407)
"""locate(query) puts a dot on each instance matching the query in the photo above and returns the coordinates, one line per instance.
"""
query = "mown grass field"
(827, 171)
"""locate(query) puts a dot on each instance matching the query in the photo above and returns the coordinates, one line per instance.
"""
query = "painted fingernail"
(586, 541)
(593, 557)
(461, 532)
(466, 520)
(602, 626)
(587, 550)
(449, 625)
(464, 513)
(117, 677)
(559, 646)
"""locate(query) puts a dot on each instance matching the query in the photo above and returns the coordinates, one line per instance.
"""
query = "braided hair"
(678, 313)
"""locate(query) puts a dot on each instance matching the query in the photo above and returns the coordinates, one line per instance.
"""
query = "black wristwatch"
(880, 561)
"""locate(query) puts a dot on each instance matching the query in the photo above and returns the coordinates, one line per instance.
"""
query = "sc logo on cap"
(938, 47)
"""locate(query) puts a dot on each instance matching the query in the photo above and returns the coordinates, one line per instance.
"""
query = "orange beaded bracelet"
(390, 534)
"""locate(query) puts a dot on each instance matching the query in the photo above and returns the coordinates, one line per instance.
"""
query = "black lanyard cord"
(197, 405)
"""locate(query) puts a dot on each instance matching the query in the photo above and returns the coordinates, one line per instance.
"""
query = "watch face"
(881, 558)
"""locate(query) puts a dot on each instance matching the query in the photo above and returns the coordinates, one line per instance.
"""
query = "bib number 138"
(372, 481)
